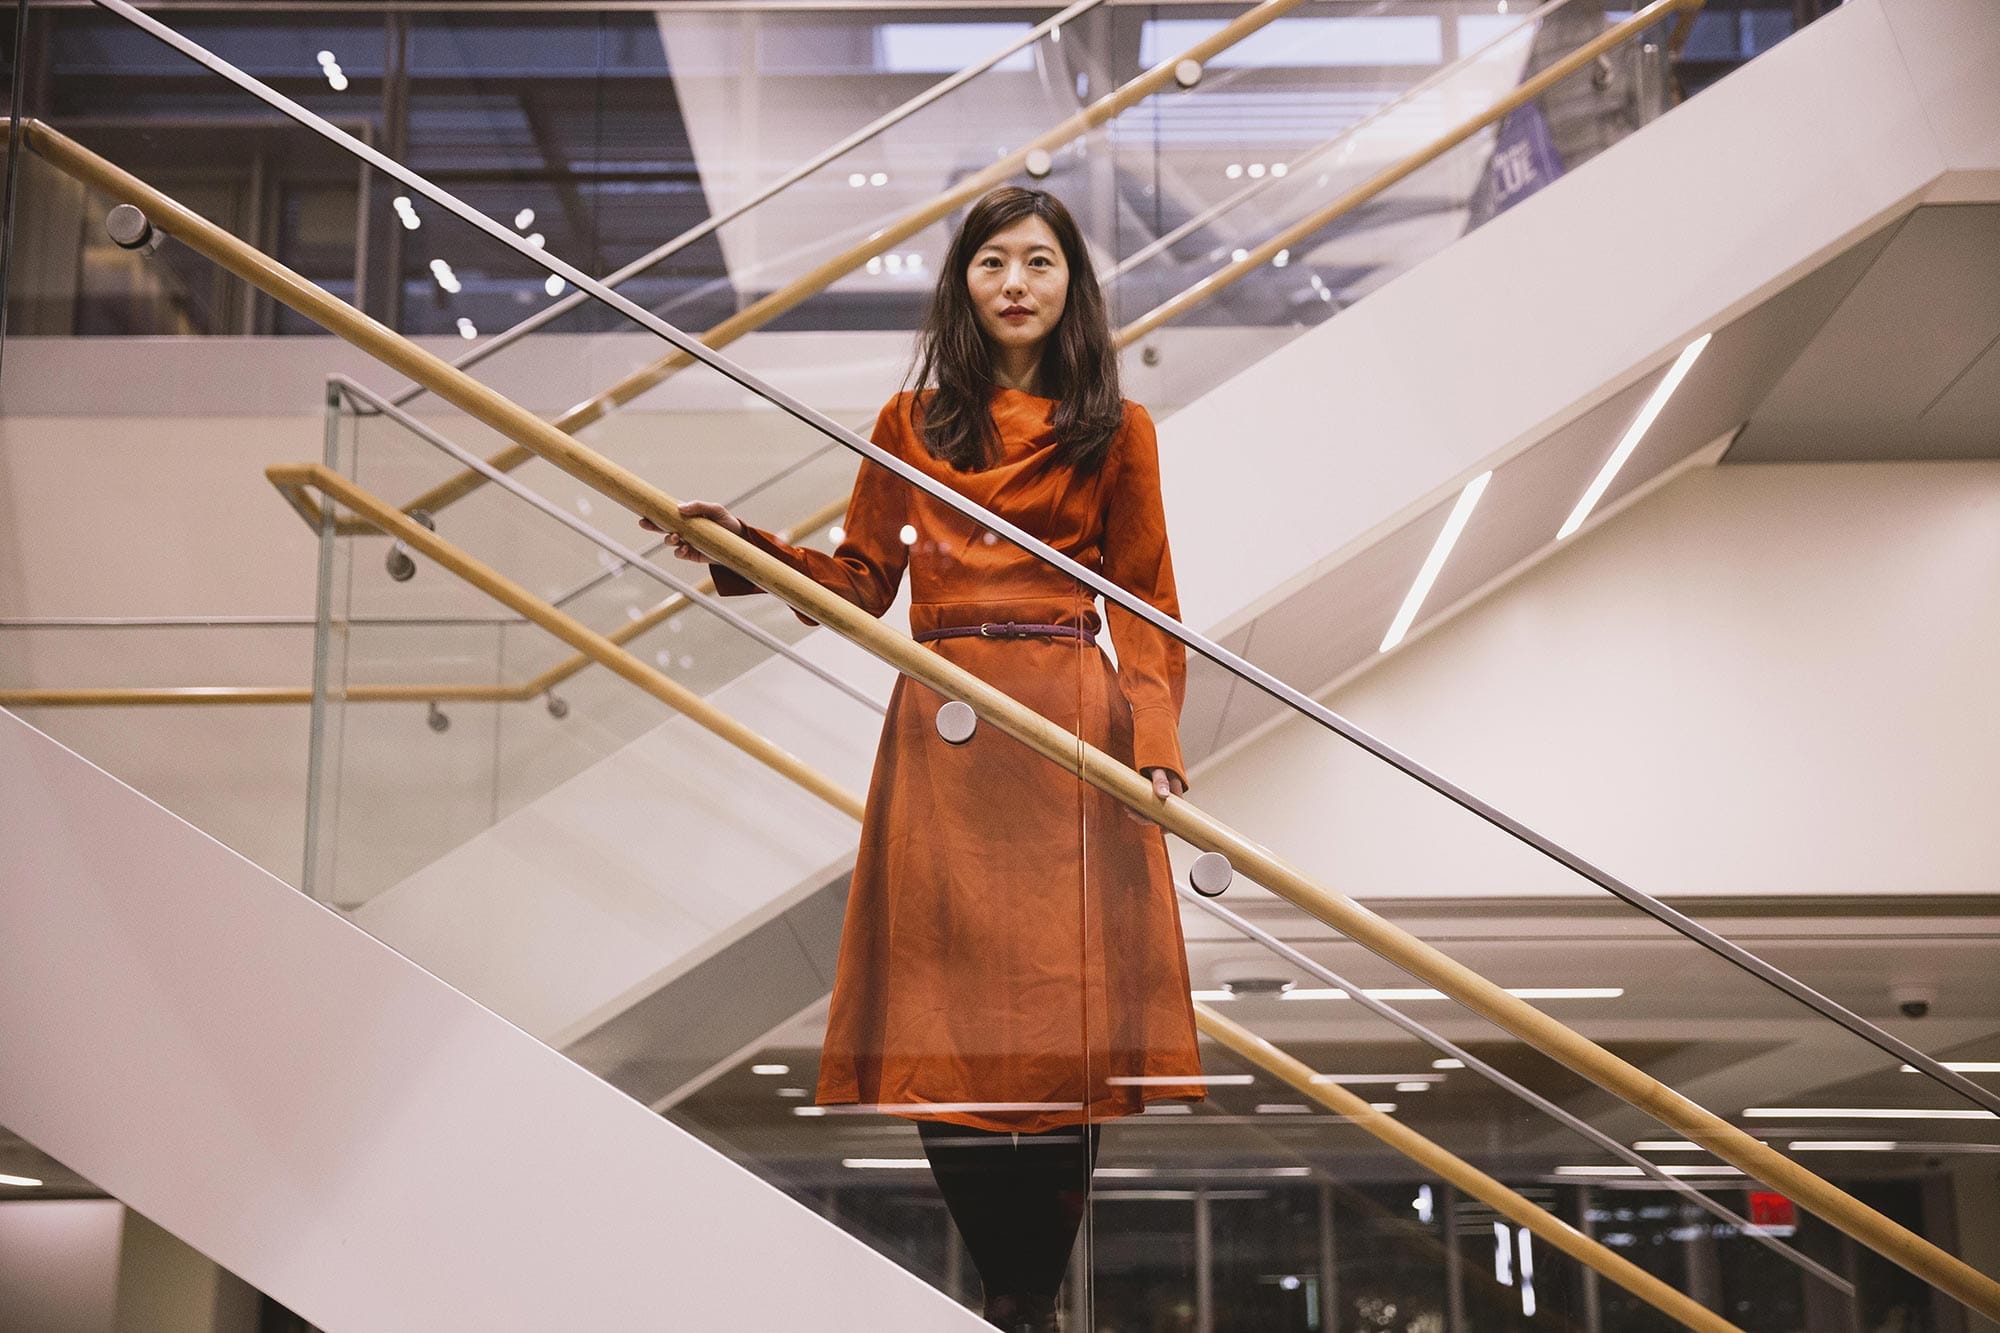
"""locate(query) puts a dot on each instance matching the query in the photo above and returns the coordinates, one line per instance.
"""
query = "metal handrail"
(632, 559)
(1197, 294)
(1257, 256)
(887, 121)
(1445, 1046)
(1456, 1171)
(554, 443)
(1252, 188)
(293, 479)
(1108, 774)
(768, 307)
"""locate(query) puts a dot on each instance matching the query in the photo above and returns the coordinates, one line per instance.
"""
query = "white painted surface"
(343, 1130)
(59, 1265)
(1377, 415)
(1764, 679)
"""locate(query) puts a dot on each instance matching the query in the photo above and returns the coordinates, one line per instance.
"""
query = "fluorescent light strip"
(1633, 434)
(1667, 1145)
(883, 1163)
(1359, 1079)
(1862, 1113)
(1413, 601)
(1635, 1171)
(1176, 1080)
(25, 1182)
(1844, 1145)
(1964, 1067)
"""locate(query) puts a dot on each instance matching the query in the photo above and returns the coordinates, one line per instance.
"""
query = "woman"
(1011, 969)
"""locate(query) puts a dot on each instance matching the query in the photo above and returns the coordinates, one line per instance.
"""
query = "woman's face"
(1019, 284)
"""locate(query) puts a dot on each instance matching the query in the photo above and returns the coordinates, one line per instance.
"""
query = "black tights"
(1018, 1200)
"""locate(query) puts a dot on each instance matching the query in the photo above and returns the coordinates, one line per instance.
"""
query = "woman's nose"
(1017, 280)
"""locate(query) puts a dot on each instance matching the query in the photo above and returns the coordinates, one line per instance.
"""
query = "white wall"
(59, 1265)
(1772, 679)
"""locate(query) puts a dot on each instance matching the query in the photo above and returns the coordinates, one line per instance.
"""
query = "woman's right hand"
(683, 548)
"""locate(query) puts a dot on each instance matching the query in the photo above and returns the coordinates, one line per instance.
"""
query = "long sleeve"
(1152, 666)
(867, 566)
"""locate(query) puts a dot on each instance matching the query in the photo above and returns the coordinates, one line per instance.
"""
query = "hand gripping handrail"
(293, 479)
(1177, 815)
(554, 444)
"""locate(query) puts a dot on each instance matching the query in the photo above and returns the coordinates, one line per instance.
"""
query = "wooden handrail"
(1206, 290)
(993, 707)
(294, 478)
(1460, 1173)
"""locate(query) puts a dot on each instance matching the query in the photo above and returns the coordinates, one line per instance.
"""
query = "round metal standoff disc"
(1187, 73)
(127, 226)
(956, 722)
(1039, 163)
(1210, 874)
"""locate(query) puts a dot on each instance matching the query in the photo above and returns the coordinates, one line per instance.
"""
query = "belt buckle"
(986, 631)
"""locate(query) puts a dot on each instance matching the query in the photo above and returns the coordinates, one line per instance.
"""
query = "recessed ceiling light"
(1843, 1145)
(1175, 1080)
(809, 1110)
(1359, 1079)
(1635, 1171)
(1667, 1145)
(23, 1182)
(1386, 1108)
(1447, 1063)
(1413, 601)
(772, 1071)
(1284, 1108)
(1427, 993)
(1413, 1086)
(883, 1163)
(1633, 434)
(792, 1092)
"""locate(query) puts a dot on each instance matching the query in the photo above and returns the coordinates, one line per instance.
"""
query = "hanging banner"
(1524, 160)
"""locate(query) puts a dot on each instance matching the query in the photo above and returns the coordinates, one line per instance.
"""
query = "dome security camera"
(1913, 1000)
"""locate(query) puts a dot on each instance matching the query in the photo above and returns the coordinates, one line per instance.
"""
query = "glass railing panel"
(252, 796)
(1307, 215)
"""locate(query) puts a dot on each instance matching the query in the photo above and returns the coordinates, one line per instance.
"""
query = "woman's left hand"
(1165, 782)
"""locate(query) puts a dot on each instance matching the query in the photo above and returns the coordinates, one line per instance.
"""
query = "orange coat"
(1012, 955)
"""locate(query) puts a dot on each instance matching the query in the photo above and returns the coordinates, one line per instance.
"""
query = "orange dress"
(1012, 955)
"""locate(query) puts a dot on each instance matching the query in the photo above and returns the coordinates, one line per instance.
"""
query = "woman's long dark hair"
(954, 363)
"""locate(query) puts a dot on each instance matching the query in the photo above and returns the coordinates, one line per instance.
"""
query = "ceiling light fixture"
(883, 1163)
(771, 1071)
(1461, 513)
(1843, 1145)
(24, 1182)
(1635, 1171)
(524, 219)
(1633, 434)
(1448, 1063)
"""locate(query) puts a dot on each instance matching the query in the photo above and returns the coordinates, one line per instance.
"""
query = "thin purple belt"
(1009, 629)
